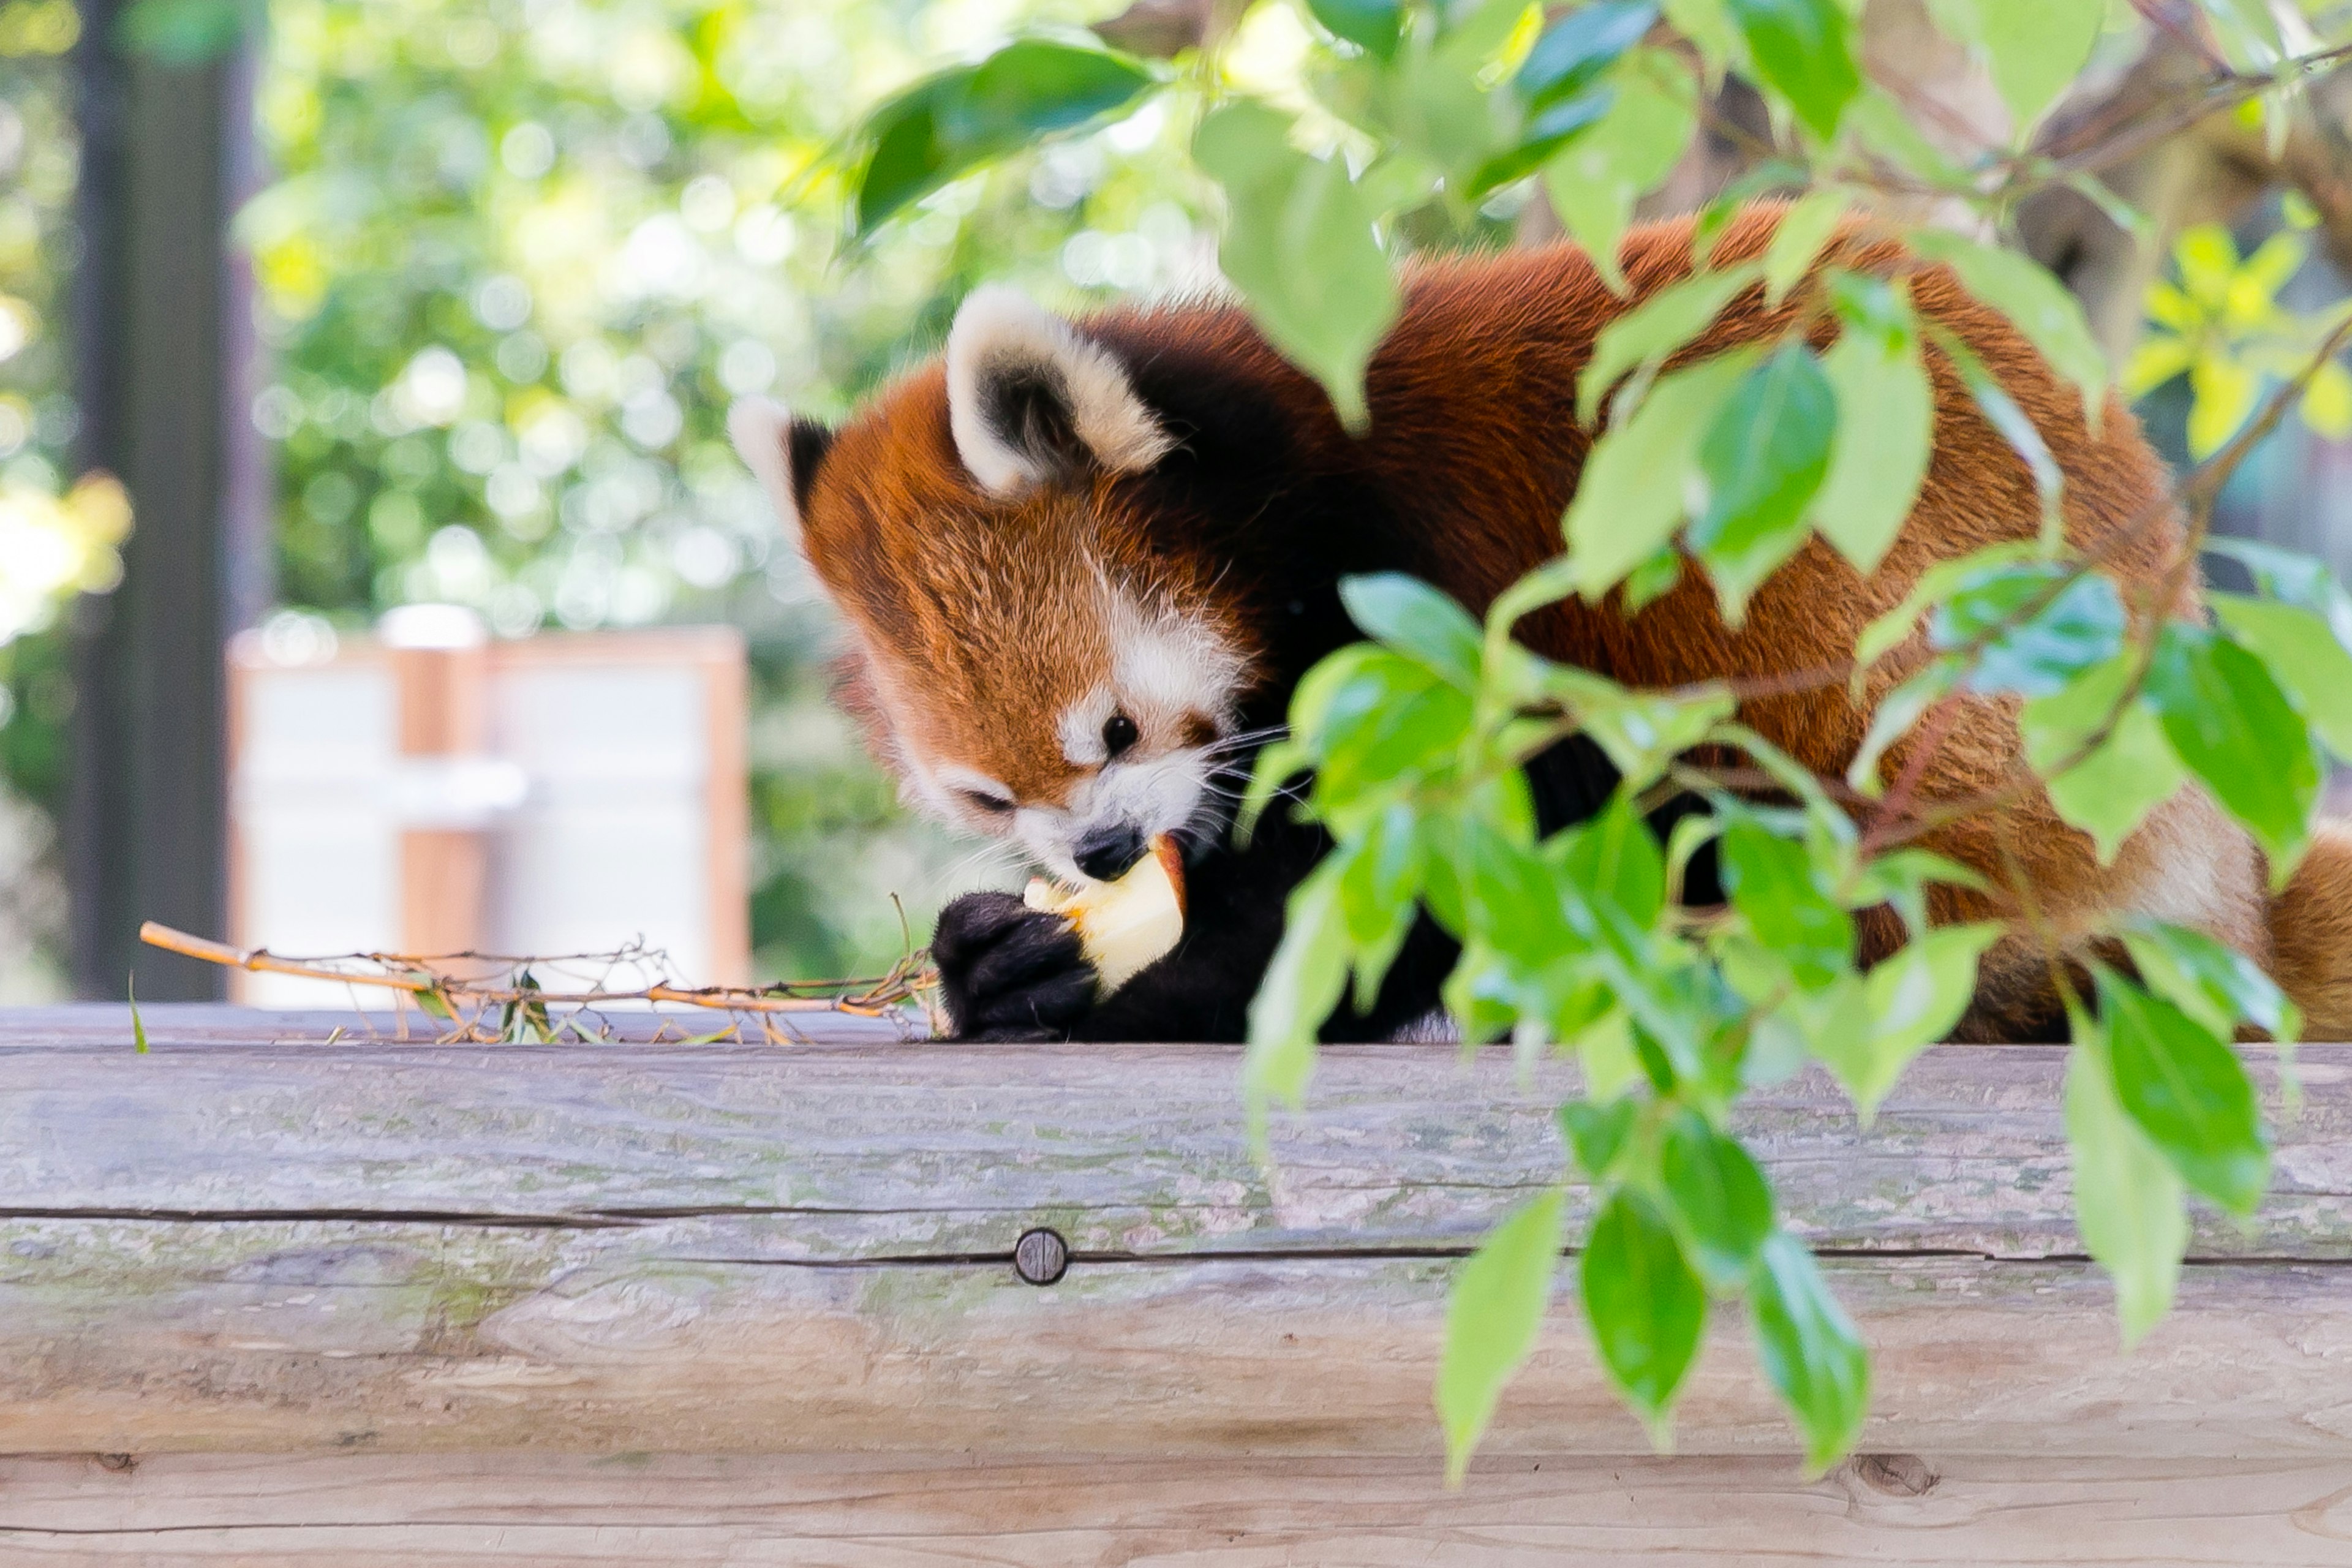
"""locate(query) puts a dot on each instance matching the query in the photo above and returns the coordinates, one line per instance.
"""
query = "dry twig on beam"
(487, 997)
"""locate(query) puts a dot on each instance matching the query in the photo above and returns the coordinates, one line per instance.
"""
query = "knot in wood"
(1041, 1257)
(1897, 1475)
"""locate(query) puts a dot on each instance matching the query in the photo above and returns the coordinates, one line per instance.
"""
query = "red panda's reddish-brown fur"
(1472, 399)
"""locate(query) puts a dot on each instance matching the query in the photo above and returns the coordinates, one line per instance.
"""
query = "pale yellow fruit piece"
(1124, 927)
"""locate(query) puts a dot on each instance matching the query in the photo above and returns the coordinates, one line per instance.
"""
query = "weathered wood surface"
(236, 1247)
(541, 1510)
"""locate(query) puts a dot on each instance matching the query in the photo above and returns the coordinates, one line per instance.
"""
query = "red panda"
(1081, 565)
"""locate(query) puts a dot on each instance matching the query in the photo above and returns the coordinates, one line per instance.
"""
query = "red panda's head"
(1043, 655)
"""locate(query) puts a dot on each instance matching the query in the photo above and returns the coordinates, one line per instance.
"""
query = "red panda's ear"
(783, 452)
(1032, 399)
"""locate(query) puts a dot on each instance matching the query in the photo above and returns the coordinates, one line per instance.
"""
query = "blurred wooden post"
(164, 363)
(440, 658)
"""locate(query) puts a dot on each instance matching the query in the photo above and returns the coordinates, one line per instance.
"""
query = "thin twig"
(416, 975)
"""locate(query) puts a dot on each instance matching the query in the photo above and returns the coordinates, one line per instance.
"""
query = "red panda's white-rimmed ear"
(1031, 398)
(782, 452)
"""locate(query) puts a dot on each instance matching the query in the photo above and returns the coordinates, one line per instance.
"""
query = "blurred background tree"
(518, 259)
(48, 548)
(515, 257)
(513, 261)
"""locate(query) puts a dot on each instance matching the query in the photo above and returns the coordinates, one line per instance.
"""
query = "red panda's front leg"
(1008, 972)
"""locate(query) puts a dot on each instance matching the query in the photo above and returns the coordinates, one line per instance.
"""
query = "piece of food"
(1126, 925)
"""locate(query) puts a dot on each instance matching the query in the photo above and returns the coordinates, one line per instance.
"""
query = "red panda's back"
(1474, 441)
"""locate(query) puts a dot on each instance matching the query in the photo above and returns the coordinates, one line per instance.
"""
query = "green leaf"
(2248, 32)
(138, 1024)
(1646, 1308)
(1606, 1056)
(1511, 899)
(1642, 732)
(1772, 883)
(1935, 585)
(1629, 501)
(1491, 1322)
(1370, 720)
(1302, 985)
(1763, 459)
(1886, 427)
(2186, 1090)
(2217, 985)
(1897, 712)
(2036, 302)
(1547, 130)
(1719, 1196)
(1884, 125)
(2301, 580)
(1380, 880)
(1614, 859)
(2233, 727)
(1415, 732)
(1372, 25)
(2127, 775)
(1346, 688)
(1596, 1133)
(1810, 1350)
(1804, 50)
(1804, 228)
(1280, 762)
(1709, 30)
(1433, 99)
(1406, 614)
(2080, 623)
(1480, 993)
(1914, 998)
(1654, 579)
(2127, 1201)
(1573, 51)
(950, 123)
(1328, 317)
(1643, 337)
(1606, 168)
(2034, 48)
(2303, 656)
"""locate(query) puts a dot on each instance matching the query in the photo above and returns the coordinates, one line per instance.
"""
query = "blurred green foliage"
(37, 425)
(517, 259)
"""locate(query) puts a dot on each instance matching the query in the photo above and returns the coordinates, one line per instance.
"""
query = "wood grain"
(232, 1245)
(541, 1510)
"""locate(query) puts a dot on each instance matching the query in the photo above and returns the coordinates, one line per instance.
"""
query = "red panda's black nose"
(1106, 853)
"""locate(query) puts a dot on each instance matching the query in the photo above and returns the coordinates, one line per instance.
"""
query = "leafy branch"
(1762, 405)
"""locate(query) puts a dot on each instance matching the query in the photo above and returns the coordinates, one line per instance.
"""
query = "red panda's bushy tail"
(2311, 934)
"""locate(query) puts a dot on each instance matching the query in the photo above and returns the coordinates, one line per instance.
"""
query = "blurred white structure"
(429, 790)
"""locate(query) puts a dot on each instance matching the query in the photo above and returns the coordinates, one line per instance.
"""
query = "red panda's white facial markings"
(1134, 750)
(974, 792)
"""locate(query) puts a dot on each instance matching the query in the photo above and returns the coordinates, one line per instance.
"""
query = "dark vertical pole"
(146, 815)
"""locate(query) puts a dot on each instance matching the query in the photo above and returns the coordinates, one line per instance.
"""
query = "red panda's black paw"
(1008, 972)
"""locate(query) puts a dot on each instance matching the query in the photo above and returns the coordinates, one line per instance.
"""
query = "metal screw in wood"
(1041, 1257)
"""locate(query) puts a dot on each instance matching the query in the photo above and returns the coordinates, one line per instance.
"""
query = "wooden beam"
(230, 1245)
(552, 1510)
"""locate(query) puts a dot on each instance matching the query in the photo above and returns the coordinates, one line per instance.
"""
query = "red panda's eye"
(1118, 734)
(994, 803)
